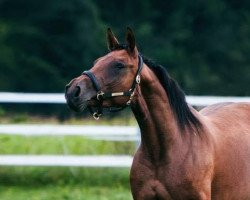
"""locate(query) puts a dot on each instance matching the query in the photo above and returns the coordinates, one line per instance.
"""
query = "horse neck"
(159, 128)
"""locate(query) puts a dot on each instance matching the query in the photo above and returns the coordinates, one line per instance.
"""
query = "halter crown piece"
(100, 95)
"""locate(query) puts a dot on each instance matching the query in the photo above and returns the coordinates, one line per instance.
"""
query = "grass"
(64, 193)
(62, 145)
(60, 183)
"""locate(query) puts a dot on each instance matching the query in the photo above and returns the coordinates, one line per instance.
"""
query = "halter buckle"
(99, 95)
(138, 79)
(96, 115)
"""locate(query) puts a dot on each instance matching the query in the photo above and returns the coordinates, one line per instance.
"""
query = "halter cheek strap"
(100, 95)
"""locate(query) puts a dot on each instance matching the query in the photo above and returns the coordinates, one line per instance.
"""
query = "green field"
(56, 183)
(63, 183)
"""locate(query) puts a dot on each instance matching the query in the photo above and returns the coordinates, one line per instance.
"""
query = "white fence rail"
(95, 132)
(66, 161)
(58, 98)
(111, 133)
(15, 97)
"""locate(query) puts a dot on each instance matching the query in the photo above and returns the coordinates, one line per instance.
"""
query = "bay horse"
(184, 154)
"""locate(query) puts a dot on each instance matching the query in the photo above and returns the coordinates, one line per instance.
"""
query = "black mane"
(177, 100)
(184, 116)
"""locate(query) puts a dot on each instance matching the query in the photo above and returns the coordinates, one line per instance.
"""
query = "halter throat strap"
(100, 95)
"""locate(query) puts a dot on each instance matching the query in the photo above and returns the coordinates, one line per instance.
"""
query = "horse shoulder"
(143, 180)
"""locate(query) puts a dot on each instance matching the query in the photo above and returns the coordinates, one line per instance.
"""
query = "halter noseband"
(100, 95)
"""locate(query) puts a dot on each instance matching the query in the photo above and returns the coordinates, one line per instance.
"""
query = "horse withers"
(184, 154)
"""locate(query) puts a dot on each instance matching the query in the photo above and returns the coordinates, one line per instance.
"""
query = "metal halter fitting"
(100, 95)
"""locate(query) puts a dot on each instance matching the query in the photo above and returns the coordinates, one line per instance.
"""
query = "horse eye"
(120, 66)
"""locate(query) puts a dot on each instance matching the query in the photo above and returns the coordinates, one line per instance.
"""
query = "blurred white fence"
(115, 133)
(16, 97)
(112, 133)
(66, 160)
(58, 98)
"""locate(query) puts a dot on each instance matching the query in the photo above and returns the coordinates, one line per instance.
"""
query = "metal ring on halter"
(96, 115)
(99, 95)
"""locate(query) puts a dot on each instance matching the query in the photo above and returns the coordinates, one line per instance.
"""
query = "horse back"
(228, 119)
(229, 126)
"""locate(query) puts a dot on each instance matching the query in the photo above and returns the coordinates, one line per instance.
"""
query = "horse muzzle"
(78, 94)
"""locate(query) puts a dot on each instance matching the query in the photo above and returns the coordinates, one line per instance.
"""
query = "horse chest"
(154, 187)
(162, 182)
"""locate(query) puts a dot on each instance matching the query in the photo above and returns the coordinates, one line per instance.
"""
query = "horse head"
(112, 79)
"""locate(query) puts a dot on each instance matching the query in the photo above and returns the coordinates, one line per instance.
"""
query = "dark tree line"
(205, 45)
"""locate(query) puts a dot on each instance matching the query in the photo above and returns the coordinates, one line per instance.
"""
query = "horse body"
(184, 154)
(170, 164)
(230, 128)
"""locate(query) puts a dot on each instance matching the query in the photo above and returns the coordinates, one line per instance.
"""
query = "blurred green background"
(204, 45)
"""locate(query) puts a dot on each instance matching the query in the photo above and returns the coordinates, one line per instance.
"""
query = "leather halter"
(100, 95)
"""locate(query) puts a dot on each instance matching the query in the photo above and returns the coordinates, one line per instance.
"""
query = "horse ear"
(112, 42)
(130, 39)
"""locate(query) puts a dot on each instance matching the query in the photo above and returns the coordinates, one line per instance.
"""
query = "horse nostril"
(77, 91)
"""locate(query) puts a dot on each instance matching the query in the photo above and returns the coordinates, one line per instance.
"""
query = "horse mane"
(184, 116)
(177, 100)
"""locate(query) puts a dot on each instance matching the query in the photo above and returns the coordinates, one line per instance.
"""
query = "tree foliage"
(203, 44)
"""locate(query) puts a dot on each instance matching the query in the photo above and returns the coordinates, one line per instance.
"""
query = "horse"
(184, 154)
